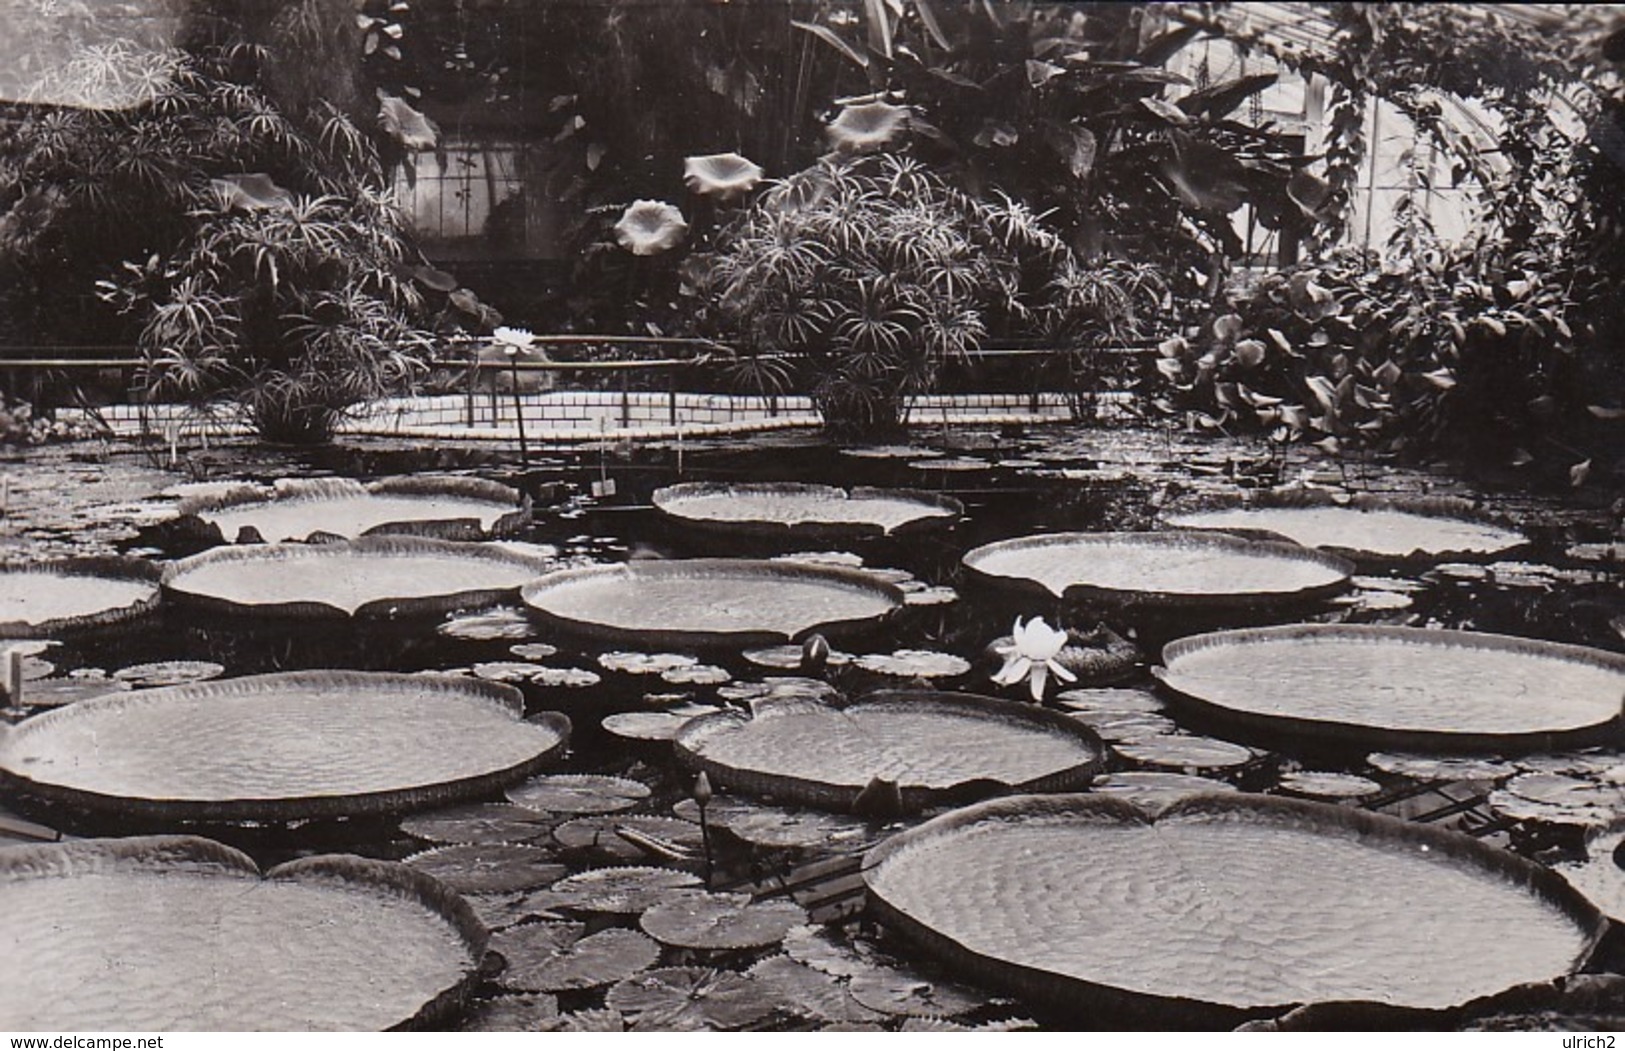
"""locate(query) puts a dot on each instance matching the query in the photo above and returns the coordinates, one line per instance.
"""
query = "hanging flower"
(722, 175)
(1031, 653)
(867, 127)
(650, 227)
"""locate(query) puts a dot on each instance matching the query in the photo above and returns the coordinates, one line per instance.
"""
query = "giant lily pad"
(1412, 687)
(41, 600)
(792, 509)
(371, 577)
(936, 747)
(710, 602)
(1222, 906)
(1362, 525)
(449, 507)
(179, 933)
(1188, 569)
(283, 746)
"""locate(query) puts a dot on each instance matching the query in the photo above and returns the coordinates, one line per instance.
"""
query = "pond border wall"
(581, 416)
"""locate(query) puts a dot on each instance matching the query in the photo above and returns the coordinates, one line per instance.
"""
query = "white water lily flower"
(1031, 654)
(513, 340)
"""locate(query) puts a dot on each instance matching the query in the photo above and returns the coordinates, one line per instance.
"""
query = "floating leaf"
(549, 957)
(789, 656)
(578, 793)
(1441, 768)
(775, 827)
(1186, 753)
(644, 663)
(1110, 699)
(570, 678)
(1155, 789)
(689, 998)
(696, 675)
(533, 651)
(1327, 785)
(1127, 727)
(489, 868)
(654, 726)
(169, 673)
(896, 991)
(501, 622)
(809, 992)
(504, 671)
(625, 890)
(510, 1014)
(701, 920)
(925, 664)
(600, 836)
(477, 823)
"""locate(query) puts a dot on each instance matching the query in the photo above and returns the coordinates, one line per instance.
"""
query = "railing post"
(473, 378)
(626, 398)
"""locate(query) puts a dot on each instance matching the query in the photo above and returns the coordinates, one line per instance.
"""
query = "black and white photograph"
(785, 516)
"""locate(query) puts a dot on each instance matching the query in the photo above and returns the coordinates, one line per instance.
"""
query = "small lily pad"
(489, 868)
(1610, 766)
(1441, 767)
(776, 689)
(1127, 727)
(1110, 699)
(956, 464)
(1327, 785)
(55, 693)
(533, 651)
(477, 823)
(930, 595)
(649, 726)
(809, 992)
(702, 920)
(509, 909)
(169, 673)
(644, 663)
(625, 890)
(510, 1014)
(501, 622)
(1156, 789)
(1183, 752)
(843, 559)
(578, 793)
(896, 991)
(571, 678)
(789, 657)
(652, 837)
(696, 675)
(890, 452)
(925, 664)
(1558, 799)
(690, 998)
(775, 827)
(550, 958)
(820, 949)
(592, 1020)
(504, 671)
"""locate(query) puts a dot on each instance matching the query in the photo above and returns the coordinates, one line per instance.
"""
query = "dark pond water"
(1010, 487)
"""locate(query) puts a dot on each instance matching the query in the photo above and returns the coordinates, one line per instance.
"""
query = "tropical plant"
(249, 245)
(1070, 109)
(876, 273)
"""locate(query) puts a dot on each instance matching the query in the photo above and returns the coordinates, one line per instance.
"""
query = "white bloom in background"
(513, 340)
(723, 175)
(1031, 654)
(650, 227)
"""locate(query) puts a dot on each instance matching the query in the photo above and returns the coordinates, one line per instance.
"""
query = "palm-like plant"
(877, 273)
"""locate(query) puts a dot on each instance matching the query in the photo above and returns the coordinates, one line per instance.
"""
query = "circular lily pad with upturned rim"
(43, 599)
(174, 932)
(1186, 569)
(387, 576)
(684, 603)
(802, 511)
(449, 507)
(1413, 688)
(938, 747)
(1224, 906)
(283, 746)
(1361, 525)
